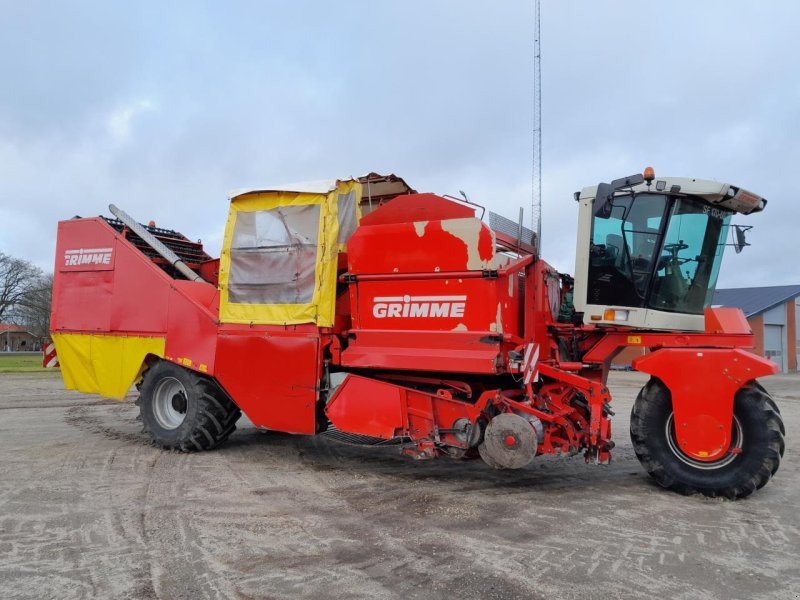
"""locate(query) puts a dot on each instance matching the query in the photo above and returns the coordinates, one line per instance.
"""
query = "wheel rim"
(733, 451)
(169, 403)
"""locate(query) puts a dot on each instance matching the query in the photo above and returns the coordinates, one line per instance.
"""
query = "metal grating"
(355, 439)
(190, 252)
(510, 228)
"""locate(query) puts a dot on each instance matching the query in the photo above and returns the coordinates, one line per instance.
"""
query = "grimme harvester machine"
(365, 311)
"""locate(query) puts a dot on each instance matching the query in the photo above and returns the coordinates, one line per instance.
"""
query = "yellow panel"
(321, 309)
(104, 364)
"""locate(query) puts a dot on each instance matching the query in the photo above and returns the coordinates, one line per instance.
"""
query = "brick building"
(14, 338)
(773, 314)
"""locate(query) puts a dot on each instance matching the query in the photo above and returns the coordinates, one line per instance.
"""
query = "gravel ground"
(89, 509)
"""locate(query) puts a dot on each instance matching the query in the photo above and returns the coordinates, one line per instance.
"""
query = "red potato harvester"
(364, 311)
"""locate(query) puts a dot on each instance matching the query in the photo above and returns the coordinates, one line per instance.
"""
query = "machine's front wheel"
(757, 444)
(181, 410)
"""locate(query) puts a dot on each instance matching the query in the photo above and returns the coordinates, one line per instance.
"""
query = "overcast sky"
(163, 108)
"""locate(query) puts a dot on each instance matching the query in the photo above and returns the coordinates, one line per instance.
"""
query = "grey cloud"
(163, 108)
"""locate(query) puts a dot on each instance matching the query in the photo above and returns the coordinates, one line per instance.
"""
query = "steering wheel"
(673, 249)
(673, 257)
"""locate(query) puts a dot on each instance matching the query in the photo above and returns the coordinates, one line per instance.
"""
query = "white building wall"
(775, 342)
(797, 330)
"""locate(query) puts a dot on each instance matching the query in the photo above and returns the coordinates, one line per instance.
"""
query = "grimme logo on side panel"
(87, 256)
(388, 307)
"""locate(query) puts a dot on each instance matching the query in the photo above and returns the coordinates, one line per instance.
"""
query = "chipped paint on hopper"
(419, 227)
(499, 327)
(468, 231)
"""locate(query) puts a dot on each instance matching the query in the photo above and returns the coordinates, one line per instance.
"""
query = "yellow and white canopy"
(279, 255)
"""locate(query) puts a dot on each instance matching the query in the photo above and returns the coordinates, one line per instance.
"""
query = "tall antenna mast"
(536, 196)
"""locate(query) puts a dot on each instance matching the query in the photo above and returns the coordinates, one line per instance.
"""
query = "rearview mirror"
(605, 193)
(739, 241)
(602, 200)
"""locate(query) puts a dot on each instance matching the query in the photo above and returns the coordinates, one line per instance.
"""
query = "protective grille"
(188, 251)
(355, 439)
(509, 227)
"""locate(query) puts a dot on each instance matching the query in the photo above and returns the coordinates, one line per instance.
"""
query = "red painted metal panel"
(201, 293)
(367, 407)
(443, 304)
(417, 207)
(423, 247)
(123, 292)
(209, 270)
(83, 280)
(141, 292)
(703, 382)
(192, 325)
(272, 376)
(82, 301)
(605, 342)
(84, 245)
(381, 409)
(456, 351)
(726, 321)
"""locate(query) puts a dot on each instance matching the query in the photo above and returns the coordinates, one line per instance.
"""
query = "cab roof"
(715, 193)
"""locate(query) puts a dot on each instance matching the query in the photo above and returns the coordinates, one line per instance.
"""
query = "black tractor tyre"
(757, 430)
(182, 410)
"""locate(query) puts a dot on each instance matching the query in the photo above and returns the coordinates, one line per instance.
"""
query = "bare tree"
(18, 277)
(33, 309)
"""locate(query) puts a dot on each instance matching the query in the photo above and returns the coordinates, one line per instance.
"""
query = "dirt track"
(89, 509)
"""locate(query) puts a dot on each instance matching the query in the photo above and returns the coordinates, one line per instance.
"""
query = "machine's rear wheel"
(757, 444)
(181, 410)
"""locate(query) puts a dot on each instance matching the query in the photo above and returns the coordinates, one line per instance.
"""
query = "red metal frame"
(431, 325)
(703, 405)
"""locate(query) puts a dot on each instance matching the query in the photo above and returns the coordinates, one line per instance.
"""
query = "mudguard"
(703, 383)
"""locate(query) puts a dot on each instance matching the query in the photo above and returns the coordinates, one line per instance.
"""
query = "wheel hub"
(179, 403)
(510, 442)
(169, 403)
(734, 450)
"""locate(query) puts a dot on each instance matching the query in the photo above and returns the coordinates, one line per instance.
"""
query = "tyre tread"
(653, 392)
(215, 417)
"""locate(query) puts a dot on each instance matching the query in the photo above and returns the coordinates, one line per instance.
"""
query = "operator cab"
(649, 249)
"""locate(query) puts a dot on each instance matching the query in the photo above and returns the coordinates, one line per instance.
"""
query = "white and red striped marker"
(529, 363)
(50, 358)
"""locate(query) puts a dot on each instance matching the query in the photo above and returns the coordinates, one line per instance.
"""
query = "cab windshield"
(657, 251)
